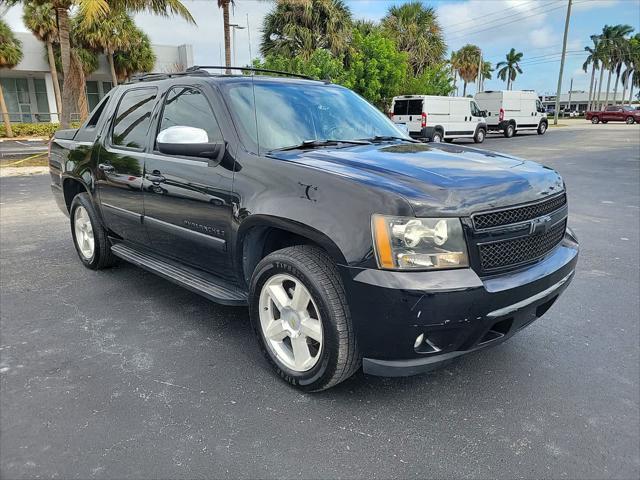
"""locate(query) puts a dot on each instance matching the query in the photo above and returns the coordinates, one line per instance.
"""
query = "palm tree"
(594, 61)
(108, 35)
(620, 56)
(454, 73)
(41, 20)
(634, 73)
(224, 5)
(611, 38)
(299, 27)
(138, 58)
(510, 68)
(416, 30)
(485, 73)
(467, 63)
(10, 56)
(91, 11)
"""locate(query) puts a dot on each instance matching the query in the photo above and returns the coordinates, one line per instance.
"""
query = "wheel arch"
(70, 188)
(259, 235)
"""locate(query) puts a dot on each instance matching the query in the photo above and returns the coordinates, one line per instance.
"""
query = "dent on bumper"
(457, 310)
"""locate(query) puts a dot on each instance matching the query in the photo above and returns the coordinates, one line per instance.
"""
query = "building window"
(93, 95)
(16, 96)
(42, 103)
(106, 86)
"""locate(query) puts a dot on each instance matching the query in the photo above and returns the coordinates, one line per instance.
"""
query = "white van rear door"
(409, 112)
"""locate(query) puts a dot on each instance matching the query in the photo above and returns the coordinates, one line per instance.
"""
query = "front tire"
(630, 121)
(479, 136)
(299, 312)
(510, 131)
(89, 237)
(542, 128)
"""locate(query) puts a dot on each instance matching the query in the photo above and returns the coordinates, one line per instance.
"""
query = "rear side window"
(612, 109)
(187, 106)
(97, 112)
(400, 107)
(133, 117)
(415, 107)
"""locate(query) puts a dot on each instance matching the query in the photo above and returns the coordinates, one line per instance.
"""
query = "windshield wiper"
(309, 144)
(387, 138)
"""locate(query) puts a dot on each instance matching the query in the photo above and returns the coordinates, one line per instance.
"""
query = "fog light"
(419, 340)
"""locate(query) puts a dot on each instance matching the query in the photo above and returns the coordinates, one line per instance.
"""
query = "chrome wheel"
(84, 232)
(290, 322)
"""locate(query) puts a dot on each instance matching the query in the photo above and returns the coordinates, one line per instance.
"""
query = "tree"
(107, 35)
(41, 20)
(91, 11)
(224, 5)
(379, 70)
(139, 57)
(300, 27)
(593, 60)
(434, 80)
(467, 64)
(510, 68)
(611, 39)
(633, 70)
(10, 56)
(321, 64)
(416, 30)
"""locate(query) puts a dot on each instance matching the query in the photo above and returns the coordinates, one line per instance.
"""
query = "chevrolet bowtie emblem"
(540, 225)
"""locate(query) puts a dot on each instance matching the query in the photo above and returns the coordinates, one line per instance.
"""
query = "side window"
(539, 106)
(475, 111)
(188, 107)
(133, 117)
(97, 113)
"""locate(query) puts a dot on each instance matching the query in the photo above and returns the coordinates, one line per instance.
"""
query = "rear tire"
(310, 343)
(436, 137)
(510, 131)
(89, 237)
(542, 128)
(479, 136)
(595, 119)
(449, 140)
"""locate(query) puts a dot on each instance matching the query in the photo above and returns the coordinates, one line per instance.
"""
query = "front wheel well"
(70, 188)
(260, 241)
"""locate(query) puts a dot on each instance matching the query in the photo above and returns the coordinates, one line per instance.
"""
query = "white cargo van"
(511, 111)
(433, 118)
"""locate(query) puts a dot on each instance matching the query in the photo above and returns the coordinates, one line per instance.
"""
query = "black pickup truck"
(352, 244)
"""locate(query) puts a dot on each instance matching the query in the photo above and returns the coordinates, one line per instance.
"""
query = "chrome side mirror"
(189, 142)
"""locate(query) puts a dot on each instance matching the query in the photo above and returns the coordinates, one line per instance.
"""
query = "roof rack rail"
(248, 69)
(148, 77)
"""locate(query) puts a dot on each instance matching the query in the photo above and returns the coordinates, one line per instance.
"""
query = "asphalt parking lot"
(120, 374)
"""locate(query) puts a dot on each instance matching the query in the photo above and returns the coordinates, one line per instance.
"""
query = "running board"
(205, 284)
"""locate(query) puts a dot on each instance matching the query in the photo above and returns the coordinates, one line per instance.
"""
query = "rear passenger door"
(121, 163)
(188, 207)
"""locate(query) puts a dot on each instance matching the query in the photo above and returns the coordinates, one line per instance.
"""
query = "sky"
(534, 27)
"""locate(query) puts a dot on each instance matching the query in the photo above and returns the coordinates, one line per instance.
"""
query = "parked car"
(614, 113)
(511, 111)
(351, 243)
(433, 118)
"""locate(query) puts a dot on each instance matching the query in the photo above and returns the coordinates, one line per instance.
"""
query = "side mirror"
(188, 142)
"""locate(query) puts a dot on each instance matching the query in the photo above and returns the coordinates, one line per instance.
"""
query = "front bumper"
(456, 311)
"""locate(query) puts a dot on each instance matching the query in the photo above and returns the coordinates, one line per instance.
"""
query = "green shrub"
(34, 129)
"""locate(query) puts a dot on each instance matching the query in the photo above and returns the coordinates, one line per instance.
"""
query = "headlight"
(407, 243)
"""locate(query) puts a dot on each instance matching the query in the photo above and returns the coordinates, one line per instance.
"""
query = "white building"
(580, 99)
(28, 88)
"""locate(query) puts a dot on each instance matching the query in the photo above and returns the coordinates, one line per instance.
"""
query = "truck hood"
(437, 178)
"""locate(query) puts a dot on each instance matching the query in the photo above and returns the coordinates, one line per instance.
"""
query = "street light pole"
(235, 27)
(249, 35)
(564, 52)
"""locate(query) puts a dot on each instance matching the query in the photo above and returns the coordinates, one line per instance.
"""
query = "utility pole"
(564, 53)
(479, 79)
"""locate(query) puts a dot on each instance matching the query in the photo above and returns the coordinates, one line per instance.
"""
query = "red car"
(614, 113)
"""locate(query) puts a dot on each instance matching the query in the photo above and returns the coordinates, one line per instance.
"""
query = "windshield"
(288, 114)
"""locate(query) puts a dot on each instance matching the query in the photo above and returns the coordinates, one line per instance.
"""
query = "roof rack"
(246, 69)
(202, 71)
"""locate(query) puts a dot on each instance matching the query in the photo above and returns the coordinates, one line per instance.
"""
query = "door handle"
(105, 167)
(155, 177)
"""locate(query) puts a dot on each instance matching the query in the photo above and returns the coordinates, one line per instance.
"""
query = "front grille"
(514, 252)
(518, 214)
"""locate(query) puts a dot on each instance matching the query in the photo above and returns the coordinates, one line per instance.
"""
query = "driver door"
(187, 200)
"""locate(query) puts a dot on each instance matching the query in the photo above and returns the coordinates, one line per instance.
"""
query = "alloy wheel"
(83, 232)
(290, 322)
